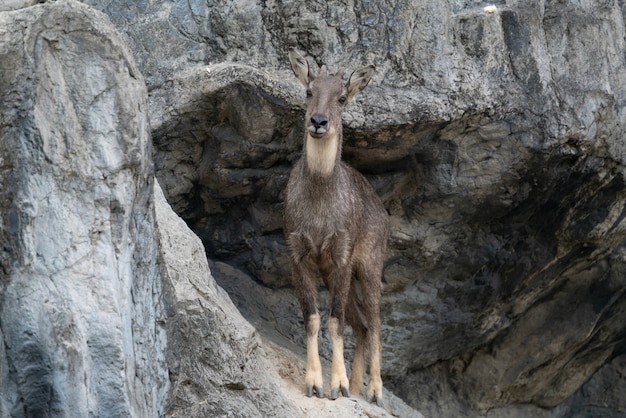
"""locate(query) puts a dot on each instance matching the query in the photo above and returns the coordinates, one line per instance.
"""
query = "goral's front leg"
(338, 377)
(313, 379)
(375, 390)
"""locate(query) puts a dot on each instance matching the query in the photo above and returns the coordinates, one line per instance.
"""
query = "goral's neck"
(322, 154)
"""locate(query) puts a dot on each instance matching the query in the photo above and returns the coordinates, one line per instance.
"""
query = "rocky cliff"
(79, 306)
(107, 305)
(494, 137)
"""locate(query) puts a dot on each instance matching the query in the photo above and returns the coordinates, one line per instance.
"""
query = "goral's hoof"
(375, 397)
(334, 392)
(314, 389)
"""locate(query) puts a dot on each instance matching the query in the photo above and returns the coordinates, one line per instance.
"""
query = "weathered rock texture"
(79, 288)
(494, 139)
(107, 305)
(216, 361)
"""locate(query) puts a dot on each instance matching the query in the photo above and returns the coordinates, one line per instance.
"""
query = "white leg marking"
(313, 377)
(338, 377)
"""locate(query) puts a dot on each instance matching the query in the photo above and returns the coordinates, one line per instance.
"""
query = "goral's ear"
(300, 67)
(359, 79)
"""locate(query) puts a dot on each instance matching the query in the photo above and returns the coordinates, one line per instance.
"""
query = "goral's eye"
(309, 93)
(343, 99)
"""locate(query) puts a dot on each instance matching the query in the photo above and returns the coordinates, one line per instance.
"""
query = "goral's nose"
(319, 121)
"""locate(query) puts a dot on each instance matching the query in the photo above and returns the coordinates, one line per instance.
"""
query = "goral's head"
(327, 94)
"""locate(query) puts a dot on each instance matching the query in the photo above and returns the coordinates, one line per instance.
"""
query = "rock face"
(494, 138)
(217, 363)
(78, 297)
(107, 305)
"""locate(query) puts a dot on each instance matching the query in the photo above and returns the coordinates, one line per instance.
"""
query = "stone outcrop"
(79, 303)
(494, 138)
(107, 304)
(216, 360)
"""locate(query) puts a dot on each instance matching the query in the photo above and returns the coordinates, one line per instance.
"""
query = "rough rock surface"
(495, 140)
(107, 305)
(79, 290)
(496, 144)
(216, 361)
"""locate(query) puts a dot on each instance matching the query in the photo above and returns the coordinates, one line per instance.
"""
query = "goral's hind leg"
(372, 289)
(354, 316)
(358, 365)
(375, 385)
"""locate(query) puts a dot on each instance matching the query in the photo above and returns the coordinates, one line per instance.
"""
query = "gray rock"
(494, 139)
(8, 5)
(107, 305)
(79, 289)
(217, 364)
